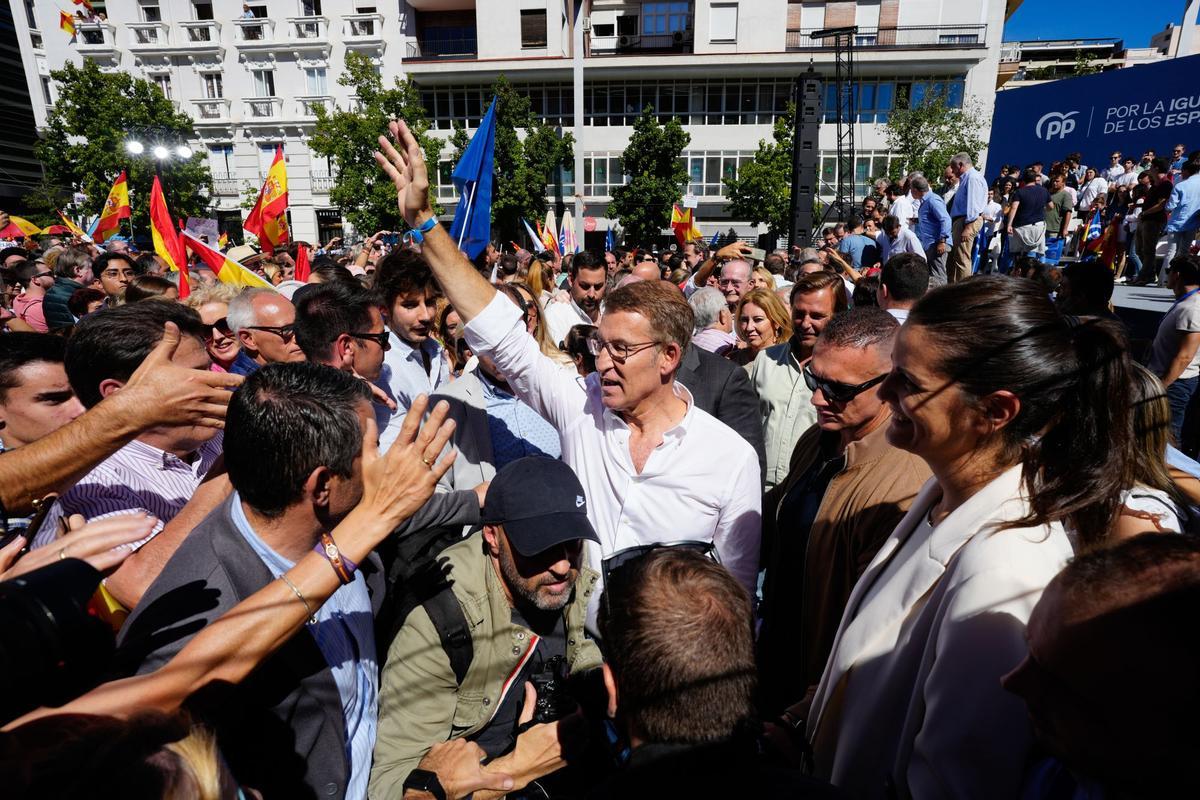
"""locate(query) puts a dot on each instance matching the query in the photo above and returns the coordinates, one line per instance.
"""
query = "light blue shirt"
(1184, 206)
(933, 222)
(345, 635)
(517, 430)
(971, 196)
(403, 377)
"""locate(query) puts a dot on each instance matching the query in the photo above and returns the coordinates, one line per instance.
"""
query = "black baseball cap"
(540, 503)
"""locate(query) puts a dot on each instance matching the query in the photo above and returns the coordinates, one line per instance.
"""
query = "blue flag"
(610, 241)
(472, 177)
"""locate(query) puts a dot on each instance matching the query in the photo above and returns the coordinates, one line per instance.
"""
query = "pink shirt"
(30, 310)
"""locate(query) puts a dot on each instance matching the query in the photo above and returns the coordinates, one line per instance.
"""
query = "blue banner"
(1153, 106)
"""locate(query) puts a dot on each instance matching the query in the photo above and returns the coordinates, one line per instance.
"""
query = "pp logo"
(1057, 124)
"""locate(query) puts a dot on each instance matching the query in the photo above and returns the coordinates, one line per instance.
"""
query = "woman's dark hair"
(145, 287)
(575, 345)
(80, 300)
(864, 291)
(1072, 433)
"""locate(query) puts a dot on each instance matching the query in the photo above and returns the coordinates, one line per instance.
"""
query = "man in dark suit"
(303, 724)
(722, 388)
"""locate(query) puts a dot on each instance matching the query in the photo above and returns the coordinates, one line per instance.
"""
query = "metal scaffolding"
(845, 96)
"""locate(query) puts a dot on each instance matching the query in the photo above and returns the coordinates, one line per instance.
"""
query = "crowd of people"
(882, 518)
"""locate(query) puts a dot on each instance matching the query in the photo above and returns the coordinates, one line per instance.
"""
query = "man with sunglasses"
(340, 325)
(264, 322)
(846, 491)
(519, 591)
(655, 466)
(35, 279)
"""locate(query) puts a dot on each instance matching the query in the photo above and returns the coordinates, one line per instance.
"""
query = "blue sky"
(1135, 23)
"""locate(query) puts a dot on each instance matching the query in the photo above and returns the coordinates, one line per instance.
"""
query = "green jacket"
(420, 703)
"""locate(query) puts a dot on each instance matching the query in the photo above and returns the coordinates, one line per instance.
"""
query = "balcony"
(321, 182)
(306, 106)
(96, 38)
(225, 185)
(442, 47)
(912, 36)
(200, 35)
(262, 108)
(35, 40)
(308, 32)
(629, 44)
(211, 111)
(257, 33)
(147, 35)
(362, 30)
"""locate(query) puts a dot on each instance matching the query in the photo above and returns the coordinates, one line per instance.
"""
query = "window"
(314, 78)
(627, 25)
(604, 31)
(220, 161)
(602, 172)
(213, 88)
(659, 19)
(310, 8)
(35, 40)
(708, 170)
(264, 82)
(533, 28)
(46, 91)
(722, 22)
(31, 15)
(163, 82)
(151, 12)
(202, 11)
(266, 156)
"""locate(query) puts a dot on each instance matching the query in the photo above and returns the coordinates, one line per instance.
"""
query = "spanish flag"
(268, 219)
(72, 227)
(116, 208)
(550, 233)
(19, 228)
(166, 241)
(66, 22)
(684, 224)
(226, 269)
(222, 241)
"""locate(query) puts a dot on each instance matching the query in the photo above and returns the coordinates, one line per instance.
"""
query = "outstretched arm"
(465, 288)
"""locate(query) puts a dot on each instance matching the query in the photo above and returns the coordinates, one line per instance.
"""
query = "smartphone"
(757, 254)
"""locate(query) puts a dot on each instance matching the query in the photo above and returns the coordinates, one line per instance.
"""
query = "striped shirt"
(138, 477)
(345, 635)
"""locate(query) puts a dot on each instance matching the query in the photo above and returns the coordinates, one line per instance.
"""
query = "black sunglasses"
(838, 392)
(380, 339)
(284, 332)
(622, 558)
(221, 326)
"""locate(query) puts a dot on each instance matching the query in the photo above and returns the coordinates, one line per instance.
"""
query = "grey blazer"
(472, 438)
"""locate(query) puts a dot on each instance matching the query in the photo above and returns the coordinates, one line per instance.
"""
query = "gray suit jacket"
(282, 729)
(472, 438)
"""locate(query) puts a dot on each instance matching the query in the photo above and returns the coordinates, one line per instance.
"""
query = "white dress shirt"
(906, 242)
(1113, 173)
(700, 484)
(1095, 188)
(905, 209)
(402, 378)
(561, 317)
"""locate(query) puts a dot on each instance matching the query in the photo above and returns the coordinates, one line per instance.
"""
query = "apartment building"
(724, 69)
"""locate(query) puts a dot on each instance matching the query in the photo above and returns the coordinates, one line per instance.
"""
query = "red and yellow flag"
(116, 208)
(303, 266)
(72, 227)
(19, 228)
(683, 222)
(166, 241)
(225, 268)
(223, 240)
(268, 219)
(66, 22)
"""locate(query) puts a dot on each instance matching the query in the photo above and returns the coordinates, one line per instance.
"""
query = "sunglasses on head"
(836, 391)
(613, 564)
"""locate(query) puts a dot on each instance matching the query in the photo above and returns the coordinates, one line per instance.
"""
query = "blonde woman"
(212, 303)
(761, 320)
(760, 278)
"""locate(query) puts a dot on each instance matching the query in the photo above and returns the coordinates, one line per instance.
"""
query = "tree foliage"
(351, 137)
(525, 166)
(925, 138)
(658, 176)
(762, 190)
(83, 144)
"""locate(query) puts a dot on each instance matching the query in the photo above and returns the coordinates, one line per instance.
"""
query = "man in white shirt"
(895, 238)
(587, 283)
(1115, 168)
(414, 363)
(1129, 176)
(654, 467)
(905, 206)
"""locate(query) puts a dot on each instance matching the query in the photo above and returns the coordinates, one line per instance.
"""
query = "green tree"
(657, 173)
(351, 137)
(83, 146)
(762, 190)
(926, 137)
(524, 166)
(1084, 65)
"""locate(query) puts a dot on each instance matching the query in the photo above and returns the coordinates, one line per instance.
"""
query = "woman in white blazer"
(1023, 418)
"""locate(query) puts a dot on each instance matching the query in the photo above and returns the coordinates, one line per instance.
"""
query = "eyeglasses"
(41, 275)
(730, 282)
(115, 273)
(221, 326)
(835, 391)
(619, 352)
(622, 558)
(380, 339)
(285, 332)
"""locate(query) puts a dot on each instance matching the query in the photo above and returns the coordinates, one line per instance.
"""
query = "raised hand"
(103, 544)
(406, 168)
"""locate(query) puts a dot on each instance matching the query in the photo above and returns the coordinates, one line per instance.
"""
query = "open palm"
(406, 167)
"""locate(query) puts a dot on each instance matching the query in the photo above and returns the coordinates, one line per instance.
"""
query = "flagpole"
(467, 216)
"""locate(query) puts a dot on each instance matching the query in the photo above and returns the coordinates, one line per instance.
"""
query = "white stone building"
(723, 68)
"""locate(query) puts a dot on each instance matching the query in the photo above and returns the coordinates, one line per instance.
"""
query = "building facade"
(724, 69)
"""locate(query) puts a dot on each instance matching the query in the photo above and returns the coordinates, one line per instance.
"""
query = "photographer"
(458, 667)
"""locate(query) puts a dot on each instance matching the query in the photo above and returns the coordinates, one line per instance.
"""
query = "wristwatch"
(422, 780)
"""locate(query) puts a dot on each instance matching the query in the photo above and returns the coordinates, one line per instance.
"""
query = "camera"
(554, 701)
